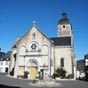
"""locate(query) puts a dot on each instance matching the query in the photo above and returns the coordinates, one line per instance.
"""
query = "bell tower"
(64, 26)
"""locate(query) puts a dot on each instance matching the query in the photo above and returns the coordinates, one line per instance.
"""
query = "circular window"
(63, 26)
(33, 46)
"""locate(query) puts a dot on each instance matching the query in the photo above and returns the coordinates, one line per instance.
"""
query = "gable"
(34, 34)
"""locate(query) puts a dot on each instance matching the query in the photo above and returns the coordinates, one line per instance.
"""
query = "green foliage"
(26, 73)
(55, 75)
(70, 76)
(60, 72)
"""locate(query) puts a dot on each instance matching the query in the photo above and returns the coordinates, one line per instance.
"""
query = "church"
(36, 53)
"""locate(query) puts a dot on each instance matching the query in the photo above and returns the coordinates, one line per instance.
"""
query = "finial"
(64, 15)
(34, 23)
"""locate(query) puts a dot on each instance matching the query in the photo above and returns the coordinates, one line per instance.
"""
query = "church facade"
(36, 53)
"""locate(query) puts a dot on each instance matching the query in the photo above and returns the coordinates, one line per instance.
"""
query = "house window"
(7, 63)
(86, 63)
(62, 62)
(1, 69)
(7, 58)
(1, 62)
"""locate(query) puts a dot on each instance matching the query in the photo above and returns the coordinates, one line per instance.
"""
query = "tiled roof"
(61, 41)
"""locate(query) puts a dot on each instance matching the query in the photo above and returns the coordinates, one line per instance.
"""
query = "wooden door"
(33, 72)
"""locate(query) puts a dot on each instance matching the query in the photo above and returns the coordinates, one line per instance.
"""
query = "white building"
(35, 52)
(86, 65)
(4, 63)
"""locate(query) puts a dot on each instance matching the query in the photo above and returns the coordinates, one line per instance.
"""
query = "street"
(8, 82)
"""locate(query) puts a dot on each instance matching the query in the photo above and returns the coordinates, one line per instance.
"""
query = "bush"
(55, 75)
(70, 76)
(61, 72)
(26, 74)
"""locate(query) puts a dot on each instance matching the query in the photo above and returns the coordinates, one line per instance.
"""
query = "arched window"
(33, 35)
(62, 62)
(15, 56)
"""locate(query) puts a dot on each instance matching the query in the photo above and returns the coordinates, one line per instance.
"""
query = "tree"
(60, 72)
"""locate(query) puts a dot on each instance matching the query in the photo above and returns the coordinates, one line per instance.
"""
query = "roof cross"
(34, 23)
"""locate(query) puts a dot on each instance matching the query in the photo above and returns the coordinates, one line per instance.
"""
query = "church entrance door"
(33, 72)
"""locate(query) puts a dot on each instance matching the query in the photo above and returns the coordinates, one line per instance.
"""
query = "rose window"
(33, 46)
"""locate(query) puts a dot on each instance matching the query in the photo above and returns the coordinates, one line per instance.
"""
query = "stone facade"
(40, 55)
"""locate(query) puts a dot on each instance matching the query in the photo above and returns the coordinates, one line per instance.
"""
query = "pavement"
(9, 82)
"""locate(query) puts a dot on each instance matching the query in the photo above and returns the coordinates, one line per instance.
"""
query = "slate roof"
(86, 56)
(61, 41)
(1, 54)
(5, 57)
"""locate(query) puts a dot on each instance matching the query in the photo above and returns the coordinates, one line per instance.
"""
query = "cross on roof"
(34, 23)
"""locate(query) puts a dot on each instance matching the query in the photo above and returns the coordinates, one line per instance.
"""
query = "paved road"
(7, 82)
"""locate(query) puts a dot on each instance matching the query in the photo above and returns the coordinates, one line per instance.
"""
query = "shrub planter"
(26, 74)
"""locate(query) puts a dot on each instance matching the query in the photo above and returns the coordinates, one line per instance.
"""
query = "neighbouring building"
(4, 62)
(86, 65)
(36, 53)
(80, 68)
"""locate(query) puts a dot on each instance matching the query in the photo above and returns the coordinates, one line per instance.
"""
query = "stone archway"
(33, 64)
